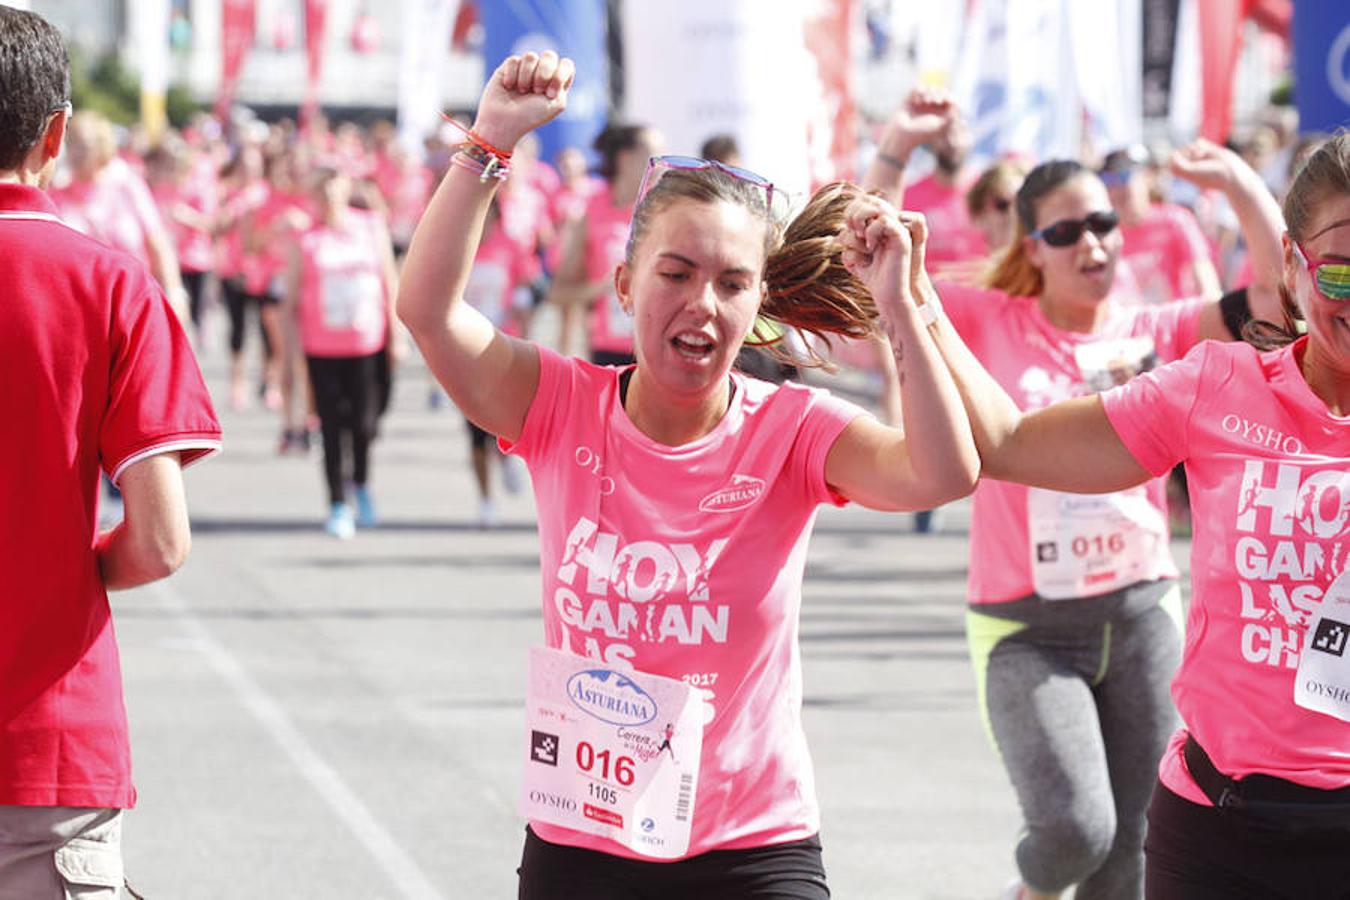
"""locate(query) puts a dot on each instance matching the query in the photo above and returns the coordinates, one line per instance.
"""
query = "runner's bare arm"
(153, 538)
(933, 459)
(923, 116)
(491, 377)
(1210, 166)
(1070, 446)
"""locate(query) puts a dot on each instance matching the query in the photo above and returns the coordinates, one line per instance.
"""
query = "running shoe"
(238, 397)
(487, 513)
(340, 524)
(513, 474)
(365, 508)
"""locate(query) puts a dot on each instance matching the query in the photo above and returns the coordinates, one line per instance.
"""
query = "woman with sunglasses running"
(1253, 793)
(1074, 611)
(666, 756)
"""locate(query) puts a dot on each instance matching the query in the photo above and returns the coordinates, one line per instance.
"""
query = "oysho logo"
(553, 801)
(1261, 435)
(743, 491)
(611, 697)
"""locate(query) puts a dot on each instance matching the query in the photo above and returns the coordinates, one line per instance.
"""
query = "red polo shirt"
(94, 372)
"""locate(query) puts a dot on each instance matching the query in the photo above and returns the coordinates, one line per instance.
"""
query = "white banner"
(423, 55)
(1107, 39)
(696, 68)
(1029, 69)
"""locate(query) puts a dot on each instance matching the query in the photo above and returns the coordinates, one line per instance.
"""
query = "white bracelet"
(930, 311)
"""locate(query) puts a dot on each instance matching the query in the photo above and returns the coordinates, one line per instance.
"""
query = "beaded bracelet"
(481, 163)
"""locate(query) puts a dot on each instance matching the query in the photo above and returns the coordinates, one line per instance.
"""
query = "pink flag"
(236, 36)
(316, 21)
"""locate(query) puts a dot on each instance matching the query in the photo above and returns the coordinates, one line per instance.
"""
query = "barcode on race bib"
(685, 796)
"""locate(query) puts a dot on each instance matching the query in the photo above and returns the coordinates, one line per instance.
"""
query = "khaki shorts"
(60, 853)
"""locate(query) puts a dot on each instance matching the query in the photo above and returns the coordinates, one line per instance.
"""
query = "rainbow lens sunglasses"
(1331, 278)
(1066, 232)
(775, 201)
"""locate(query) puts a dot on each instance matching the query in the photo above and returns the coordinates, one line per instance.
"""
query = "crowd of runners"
(1059, 337)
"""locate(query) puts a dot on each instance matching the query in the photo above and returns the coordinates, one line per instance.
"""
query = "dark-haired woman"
(593, 244)
(1074, 611)
(1252, 798)
(676, 498)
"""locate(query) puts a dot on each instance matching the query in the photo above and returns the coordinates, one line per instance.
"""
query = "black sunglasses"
(1066, 232)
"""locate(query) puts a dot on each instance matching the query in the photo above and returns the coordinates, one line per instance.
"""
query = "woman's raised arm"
(491, 377)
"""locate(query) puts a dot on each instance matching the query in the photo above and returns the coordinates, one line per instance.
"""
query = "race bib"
(612, 753)
(1323, 681)
(351, 300)
(1085, 544)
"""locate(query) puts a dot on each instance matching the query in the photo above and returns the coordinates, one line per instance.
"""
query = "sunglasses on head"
(657, 166)
(1066, 232)
(1332, 279)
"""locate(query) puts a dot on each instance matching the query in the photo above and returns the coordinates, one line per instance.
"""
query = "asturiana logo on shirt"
(611, 697)
(743, 491)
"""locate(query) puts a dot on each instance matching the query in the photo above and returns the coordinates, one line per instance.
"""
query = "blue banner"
(1322, 64)
(575, 28)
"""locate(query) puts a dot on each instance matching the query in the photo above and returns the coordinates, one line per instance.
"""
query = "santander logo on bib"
(743, 491)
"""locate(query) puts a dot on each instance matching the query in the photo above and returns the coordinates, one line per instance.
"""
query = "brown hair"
(1013, 272)
(1003, 172)
(809, 288)
(1325, 174)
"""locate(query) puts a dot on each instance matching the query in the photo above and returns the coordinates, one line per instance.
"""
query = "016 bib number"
(1086, 544)
(612, 753)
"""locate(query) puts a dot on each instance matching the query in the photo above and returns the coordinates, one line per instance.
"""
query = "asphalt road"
(323, 719)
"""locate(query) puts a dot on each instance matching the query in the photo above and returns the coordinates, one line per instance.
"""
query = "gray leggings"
(1075, 697)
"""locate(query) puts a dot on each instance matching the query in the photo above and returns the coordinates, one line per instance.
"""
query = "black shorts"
(478, 438)
(791, 871)
(1195, 852)
(611, 358)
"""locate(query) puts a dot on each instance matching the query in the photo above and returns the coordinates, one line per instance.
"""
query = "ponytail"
(809, 288)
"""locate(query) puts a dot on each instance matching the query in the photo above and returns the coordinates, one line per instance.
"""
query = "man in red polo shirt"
(95, 372)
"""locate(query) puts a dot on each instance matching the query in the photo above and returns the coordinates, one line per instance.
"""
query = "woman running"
(675, 501)
(1074, 610)
(1253, 795)
(338, 308)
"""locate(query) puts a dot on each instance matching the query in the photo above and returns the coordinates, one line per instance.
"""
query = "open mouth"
(692, 345)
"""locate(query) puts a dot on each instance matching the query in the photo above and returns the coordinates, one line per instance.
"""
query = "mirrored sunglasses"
(1332, 279)
(1066, 232)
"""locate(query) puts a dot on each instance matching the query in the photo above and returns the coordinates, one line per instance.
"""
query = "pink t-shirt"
(1269, 474)
(238, 205)
(1039, 364)
(1161, 252)
(611, 329)
(951, 236)
(115, 208)
(687, 562)
(344, 310)
(271, 231)
(500, 268)
(196, 249)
